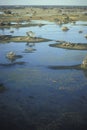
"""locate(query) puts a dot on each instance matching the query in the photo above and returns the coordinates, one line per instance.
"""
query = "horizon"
(45, 2)
(43, 5)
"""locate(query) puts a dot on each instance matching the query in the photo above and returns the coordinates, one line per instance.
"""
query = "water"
(37, 97)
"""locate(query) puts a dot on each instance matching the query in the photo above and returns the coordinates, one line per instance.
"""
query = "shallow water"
(37, 97)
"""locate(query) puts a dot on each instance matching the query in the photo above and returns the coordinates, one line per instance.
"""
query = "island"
(10, 38)
(69, 45)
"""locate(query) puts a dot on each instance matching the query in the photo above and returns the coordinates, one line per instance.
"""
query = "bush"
(7, 12)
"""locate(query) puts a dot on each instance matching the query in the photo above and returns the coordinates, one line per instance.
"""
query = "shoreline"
(19, 25)
(69, 45)
(56, 14)
(10, 38)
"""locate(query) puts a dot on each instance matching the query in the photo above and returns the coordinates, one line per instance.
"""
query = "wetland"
(43, 76)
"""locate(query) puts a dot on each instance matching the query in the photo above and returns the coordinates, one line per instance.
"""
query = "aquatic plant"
(65, 28)
(80, 31)
(84, 63)
(10, 55)
(7, 12)
(85, 36)
(30, 34)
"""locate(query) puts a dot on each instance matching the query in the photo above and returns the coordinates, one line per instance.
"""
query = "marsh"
(38, 96)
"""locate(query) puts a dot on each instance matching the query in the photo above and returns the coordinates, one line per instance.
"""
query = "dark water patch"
(19, 125)
(71, 121)
(2, 88)
(77, 67)
(33, 109)
(83, 100)
(31, 97)
(12, 64)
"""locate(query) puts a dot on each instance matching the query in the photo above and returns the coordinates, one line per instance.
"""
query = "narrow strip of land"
(9, 38)
(69, 45)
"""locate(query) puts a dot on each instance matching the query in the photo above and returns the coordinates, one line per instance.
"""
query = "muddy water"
(37, 97)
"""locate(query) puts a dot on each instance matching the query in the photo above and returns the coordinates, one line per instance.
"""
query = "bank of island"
(69, 45)
(10, 38)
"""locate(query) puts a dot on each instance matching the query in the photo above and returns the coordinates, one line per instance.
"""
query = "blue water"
(37, 97)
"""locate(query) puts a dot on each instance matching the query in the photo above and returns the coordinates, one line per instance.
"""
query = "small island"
(10, 38)
(69, 45)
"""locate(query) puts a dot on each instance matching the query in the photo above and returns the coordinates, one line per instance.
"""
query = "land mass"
(69, 45)
(10, 38)
(58, 14)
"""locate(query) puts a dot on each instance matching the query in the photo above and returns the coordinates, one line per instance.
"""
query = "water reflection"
(77, 67)
(30, 44)
(11, 64)
(85, 73)
(2, 88)
(72, 67)
(30, 47)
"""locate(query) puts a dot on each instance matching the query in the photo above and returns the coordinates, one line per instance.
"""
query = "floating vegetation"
(85, 36)
(84, 63)
(12, 56)
(65, 28)
(30, 34)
